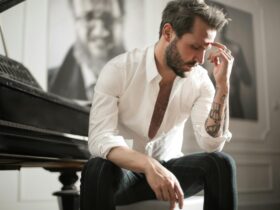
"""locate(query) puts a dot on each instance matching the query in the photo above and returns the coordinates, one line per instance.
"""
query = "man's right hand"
(164, 184)
(162, 181)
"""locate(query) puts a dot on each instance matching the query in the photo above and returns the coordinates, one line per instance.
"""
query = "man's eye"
(195, 47)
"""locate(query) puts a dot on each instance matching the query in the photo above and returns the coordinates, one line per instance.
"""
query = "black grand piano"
(39, 129)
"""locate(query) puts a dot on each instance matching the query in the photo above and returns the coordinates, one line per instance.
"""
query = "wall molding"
(253, 151)
(266, 165)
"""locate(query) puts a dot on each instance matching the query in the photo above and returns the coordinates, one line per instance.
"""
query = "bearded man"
(147, 95)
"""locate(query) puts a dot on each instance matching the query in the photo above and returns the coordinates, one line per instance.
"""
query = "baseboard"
(273, 206)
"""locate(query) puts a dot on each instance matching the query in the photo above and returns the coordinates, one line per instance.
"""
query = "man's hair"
(120, 3)
(182, 13)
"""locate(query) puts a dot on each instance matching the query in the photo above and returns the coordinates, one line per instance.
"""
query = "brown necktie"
(160, 108)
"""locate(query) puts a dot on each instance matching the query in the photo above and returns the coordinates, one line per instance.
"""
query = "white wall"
(257, 158)
(24, 28)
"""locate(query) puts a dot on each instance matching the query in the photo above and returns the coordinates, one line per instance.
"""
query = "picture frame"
(74, 60)
(247, 17)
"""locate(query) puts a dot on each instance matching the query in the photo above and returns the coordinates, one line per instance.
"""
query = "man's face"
(188, 51)
(97, 24)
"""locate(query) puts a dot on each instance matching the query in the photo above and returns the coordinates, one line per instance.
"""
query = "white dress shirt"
(124, 100)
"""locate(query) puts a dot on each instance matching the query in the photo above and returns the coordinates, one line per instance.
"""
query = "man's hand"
(162, 181)
(223, 61)
(164, 184)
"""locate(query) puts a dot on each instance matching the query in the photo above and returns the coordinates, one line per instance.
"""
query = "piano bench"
(192, 203)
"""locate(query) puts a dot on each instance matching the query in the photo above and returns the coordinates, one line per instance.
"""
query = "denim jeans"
(104, 185)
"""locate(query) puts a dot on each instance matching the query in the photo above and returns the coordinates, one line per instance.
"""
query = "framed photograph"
(83, 35)
(244, 36)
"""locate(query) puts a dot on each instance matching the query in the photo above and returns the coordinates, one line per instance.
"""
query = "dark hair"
(182, 13)
(120, 3)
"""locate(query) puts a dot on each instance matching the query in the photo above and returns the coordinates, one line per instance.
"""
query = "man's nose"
(200, 57)
(99, 30)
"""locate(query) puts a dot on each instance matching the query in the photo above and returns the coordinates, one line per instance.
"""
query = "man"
(147, 95)
(98, 25)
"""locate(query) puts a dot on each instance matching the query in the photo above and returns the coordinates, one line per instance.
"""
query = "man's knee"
(99, 169)
(97, 162)
(222, 160)
(98, 184)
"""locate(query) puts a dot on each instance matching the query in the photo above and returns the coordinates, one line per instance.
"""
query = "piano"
(40, 129)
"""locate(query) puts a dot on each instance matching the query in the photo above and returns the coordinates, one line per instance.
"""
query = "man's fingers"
(180, 195)
(172, 205)
(159, 194)
(222, 48)
(220, 54)
(227, 55)
(166, 196)
(219, 45)
(215, 57)
(173, 198)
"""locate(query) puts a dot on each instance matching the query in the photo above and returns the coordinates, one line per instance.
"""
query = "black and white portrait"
(239, 38)
(83, 36)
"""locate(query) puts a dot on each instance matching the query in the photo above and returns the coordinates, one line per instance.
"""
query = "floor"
(192, 203)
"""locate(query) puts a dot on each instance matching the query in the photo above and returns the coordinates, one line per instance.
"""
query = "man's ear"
(167, 32)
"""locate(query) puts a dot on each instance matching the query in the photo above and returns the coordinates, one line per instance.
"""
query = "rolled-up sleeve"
(103, 133)
(199, 114)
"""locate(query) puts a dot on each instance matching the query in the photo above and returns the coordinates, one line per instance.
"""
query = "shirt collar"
(151, 68)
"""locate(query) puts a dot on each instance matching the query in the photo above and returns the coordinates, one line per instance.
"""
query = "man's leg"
(213, 172)
(104, 185)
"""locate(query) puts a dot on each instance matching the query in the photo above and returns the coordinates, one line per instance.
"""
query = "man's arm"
(215, 121)
(163, 182)
(223, 61)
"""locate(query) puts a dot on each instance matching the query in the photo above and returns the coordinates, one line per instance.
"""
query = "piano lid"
(6, 4)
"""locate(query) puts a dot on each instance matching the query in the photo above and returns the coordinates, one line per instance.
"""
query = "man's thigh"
(190, 172)
(133, 187)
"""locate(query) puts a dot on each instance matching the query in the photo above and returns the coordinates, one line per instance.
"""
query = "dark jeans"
(104, 185)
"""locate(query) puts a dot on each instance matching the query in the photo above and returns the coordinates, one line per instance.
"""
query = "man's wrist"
(223, 88)
(149, 165)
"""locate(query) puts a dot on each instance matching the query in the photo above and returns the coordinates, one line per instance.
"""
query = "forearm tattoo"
(215, 112)
(215, 116)
(213, 130)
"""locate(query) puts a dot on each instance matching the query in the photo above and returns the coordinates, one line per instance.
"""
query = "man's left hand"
(223, 62)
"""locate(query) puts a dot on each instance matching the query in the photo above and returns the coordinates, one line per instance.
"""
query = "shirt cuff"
(209, 143)
(227, 135)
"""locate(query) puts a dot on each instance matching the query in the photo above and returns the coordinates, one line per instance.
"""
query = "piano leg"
(68, 197)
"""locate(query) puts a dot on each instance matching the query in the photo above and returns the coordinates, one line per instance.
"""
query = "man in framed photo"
(98, 26)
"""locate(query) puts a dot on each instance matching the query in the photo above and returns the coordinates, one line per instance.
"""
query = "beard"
(174, 60)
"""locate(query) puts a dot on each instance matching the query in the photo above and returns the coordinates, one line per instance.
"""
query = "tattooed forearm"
(214, 129)
(215, 112)
(216, 116)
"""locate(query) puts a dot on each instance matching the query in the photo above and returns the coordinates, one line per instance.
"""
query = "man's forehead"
(200, 41)
(202, 32)
(206, 40)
